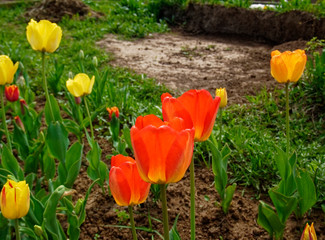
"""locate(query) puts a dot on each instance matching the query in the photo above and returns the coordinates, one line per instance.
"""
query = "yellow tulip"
(288, 66)
(7, 70)
(43, 36)
(81, 85)
(309, 233)
(15, 199)
(222, 93)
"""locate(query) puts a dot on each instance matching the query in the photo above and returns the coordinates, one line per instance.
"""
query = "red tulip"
(196, 107)
(19, 123)
(113, 110)
(163, 150)
(12, 93)
(126, 185)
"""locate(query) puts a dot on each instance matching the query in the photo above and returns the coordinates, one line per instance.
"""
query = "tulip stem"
(89, 116)
(164, 209)
(17, 229)
(134, 233)
(287, 118)
(4, 117)
(220, 135)
(47, 96)
(192, 176)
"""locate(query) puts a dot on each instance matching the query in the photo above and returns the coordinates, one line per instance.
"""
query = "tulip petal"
(74, 88)
(91, 84)
(210, 119)
(119, 187)
(34, 37)
(54, 39)
(279, 69)
(299, 67)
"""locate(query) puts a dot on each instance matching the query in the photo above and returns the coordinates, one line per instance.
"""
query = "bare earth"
(184, 62)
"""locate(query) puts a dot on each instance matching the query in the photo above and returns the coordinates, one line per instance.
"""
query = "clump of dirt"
(259, 25)
(55, 10)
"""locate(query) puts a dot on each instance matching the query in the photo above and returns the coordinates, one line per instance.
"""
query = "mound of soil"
(55, 10)
(259, 25)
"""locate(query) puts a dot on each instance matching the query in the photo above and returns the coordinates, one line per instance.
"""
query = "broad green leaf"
(94, 156)
(35, 214)
(10, 163)
(284, 205)
(49, 166)
(55, 109)
(103, 170)
(230, 190)
(4, 228)
(20, 139)
(57, 141)
(73, 163)
(269, 220)
(307, 192)
(127, 136)
(283, 164)
(288, 186)
(50, 221)
(28, 232)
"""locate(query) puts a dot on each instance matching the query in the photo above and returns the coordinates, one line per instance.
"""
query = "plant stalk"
(220, 135)
(17, 229)
(164, 209)
(89, 116)
(134, 233)
(4, 117)
(287, 119)
(192, 177)
(47, 96)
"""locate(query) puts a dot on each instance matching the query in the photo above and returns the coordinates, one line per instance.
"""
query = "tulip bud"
(15, 199)
(12, 93)
(222, 93)
(309, 233)
(78, 206)
(113, 110)
(19, 123)
(38, 230)
(81, 54)
(23, 104)
(80, 85)
(95, 61)
(70, 75)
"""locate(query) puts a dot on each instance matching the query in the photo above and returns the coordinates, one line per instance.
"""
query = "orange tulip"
(196, 107)
(163, 150)
(113, 110)
(309, 233)
(288, 66)
(126, 185)
(12, 93)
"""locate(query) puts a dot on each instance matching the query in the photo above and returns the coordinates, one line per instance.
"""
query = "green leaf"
(284, 205)
(127, 136)
(173, 233)
(230, 190)
(28, 232)
(94, 155)
(57, 140)
(82, 215)
(307, 192)
(49, 166)
(20, 139)
(73, 163)
(288, 186)
(55, 110)
(269, 220)
(10, 163)
(50, 221)
(283, 164)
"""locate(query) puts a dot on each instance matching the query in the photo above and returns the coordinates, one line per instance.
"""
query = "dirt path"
(184, 62)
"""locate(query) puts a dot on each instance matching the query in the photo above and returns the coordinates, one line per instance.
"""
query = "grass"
(252, 131)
